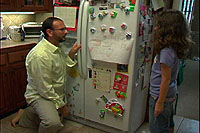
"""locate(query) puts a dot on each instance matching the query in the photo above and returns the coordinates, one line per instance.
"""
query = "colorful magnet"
(92, 3)
(133, 2)
(76, 87)
(113, 14)
(103, 27)
(100, 16)
(102, 113)
(128, 35)
(124, 26)
(115, 107)
(120, 94)
(105, 13)
(98, 100)
(103, 8)
(111, 5)
(112, 29)
(91, 10)
(127, 10)
(122, 6)
(93, 30)
(93, 16)
(132, 8)
(118, 5)
(104, 98)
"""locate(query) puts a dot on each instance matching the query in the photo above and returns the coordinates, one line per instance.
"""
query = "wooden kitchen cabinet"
(26, 5)
(36, 5)
(7, 5)
(13, 78)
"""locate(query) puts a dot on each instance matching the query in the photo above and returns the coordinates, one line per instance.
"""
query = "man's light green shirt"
(46, 69)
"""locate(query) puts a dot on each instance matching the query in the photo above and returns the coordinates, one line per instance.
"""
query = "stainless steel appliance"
(32, 29)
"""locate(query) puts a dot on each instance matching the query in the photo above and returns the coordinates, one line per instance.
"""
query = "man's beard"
(62, 40)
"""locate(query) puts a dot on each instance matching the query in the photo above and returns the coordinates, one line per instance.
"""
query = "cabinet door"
(7, 5)
(18, 85)
(36, 5)
(5, 95)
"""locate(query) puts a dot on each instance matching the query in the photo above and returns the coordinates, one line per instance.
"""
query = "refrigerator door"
(101, 102)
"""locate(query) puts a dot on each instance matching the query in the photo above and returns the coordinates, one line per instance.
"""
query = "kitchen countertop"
(10, 43)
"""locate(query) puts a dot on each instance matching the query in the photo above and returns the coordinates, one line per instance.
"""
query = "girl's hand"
(159, 108)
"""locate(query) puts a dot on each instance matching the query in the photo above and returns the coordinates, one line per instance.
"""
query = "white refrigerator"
(108, 88)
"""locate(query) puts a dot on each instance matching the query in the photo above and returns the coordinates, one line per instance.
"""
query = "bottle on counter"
(22, 32)
(2, 33)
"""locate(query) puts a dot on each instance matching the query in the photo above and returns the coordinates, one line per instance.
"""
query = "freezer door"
(75, 82)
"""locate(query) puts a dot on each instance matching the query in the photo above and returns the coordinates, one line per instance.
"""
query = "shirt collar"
(50, 46)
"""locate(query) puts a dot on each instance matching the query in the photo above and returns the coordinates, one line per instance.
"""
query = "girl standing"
(171, 44)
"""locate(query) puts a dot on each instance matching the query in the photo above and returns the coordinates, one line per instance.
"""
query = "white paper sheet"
(111, 50)
(157, 4)
(68, 14)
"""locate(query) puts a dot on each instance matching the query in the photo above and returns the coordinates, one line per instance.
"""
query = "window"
(187, 9)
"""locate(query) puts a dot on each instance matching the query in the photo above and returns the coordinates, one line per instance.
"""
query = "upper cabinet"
(7, 5)
(36, 5)
(27, 5)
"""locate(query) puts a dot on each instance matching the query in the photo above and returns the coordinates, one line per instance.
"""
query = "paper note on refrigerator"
(111, 50)
(102, 79)
(157, 4)
(67, 14)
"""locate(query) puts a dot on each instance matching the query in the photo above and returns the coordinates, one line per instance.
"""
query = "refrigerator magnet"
(98, 100)
(93, 16)
(76, 87)
(100, 16)
(115, 107)
(91, 10)
(127, 10)
(111, 5)
(128, 35)
(103, 27)
(92, 30)
(124, 26)
(105, 13)
(102, 113)
(112, 29)
(132, 8)
(113, 14)
(122, 6)
(105, 99)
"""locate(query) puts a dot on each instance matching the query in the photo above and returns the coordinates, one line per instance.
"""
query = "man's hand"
(64, 111)
(74, 50)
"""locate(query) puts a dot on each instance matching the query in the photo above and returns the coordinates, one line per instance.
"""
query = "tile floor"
(182, 125)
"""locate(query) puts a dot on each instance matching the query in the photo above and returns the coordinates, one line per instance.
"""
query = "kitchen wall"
(17, 19)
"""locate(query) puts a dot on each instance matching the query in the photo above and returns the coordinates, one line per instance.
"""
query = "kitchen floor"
(182, 125)
(186, 119)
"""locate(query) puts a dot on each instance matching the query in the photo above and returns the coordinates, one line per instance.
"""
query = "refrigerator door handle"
(84, 38)
(79, 37)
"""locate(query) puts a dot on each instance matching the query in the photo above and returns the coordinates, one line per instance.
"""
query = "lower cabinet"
(13, 78)
(5, 93)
